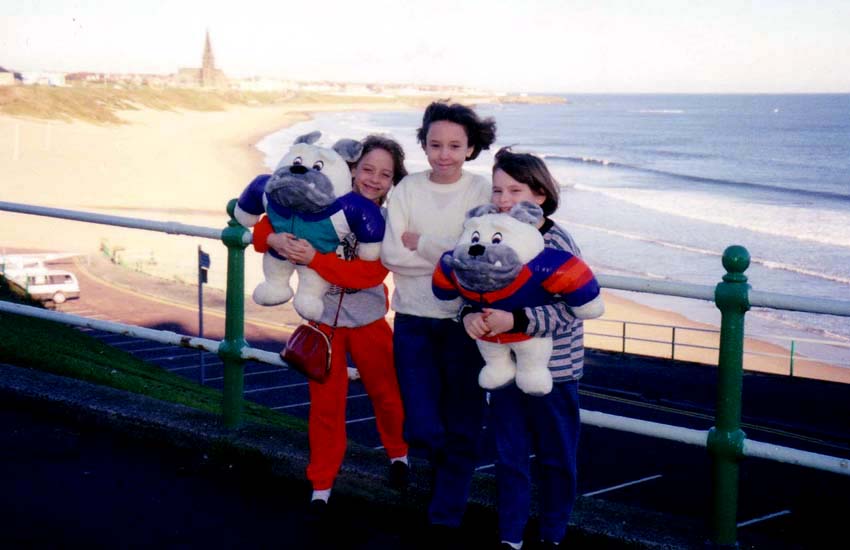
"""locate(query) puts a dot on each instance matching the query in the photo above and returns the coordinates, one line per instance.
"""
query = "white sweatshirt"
(436, 211)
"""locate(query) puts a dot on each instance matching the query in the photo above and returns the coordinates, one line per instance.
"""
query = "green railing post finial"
(726, 439)
(234, 342)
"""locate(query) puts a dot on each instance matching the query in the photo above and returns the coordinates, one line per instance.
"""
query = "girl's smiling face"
(373, 175)
(507, 192)
(447, 148)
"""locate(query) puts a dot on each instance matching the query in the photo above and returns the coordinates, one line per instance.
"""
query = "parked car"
(47, 285)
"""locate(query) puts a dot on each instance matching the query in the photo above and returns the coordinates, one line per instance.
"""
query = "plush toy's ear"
(309, 139)
(348, 149)
(482, 210)
(527, 212)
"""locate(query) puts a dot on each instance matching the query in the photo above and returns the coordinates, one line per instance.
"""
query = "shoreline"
(208, 157)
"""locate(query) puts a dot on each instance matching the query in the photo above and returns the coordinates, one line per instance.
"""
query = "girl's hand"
(498, 321)
(296, 250)
(279, 242)
(301, 251)
(475, 325)
(410, 240)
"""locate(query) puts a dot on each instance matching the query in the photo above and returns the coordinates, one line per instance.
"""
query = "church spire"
(208, 65)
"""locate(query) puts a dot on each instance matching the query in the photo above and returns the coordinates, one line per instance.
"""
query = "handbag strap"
(336, 315)
(338, 306)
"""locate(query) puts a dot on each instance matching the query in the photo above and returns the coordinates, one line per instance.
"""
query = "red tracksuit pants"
(371, 349)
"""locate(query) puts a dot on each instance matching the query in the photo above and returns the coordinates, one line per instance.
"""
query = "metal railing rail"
(172, 228)
(700, 438)
(726, 442)
(675, 344)
(154, 335)
(773, 300)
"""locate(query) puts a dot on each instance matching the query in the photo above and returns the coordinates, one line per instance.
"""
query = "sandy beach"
(181, 166)
(184, 166)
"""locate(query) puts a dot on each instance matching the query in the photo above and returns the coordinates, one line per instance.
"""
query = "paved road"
(780, 503)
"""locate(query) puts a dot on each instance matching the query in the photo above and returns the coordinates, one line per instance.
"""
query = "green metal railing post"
(231, 347)
(726, 439)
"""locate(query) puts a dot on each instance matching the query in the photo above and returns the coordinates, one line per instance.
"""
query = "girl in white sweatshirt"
(436, 362)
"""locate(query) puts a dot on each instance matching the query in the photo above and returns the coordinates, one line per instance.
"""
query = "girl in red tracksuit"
(362, 331)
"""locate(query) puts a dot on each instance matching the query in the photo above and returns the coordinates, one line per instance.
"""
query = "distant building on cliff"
(9, 78)
(205, 77)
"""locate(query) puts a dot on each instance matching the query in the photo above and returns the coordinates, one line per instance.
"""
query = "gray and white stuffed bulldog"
(309, 195)
(501, 262)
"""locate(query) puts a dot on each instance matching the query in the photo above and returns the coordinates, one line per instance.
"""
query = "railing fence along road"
(726, 442)
(675, 342)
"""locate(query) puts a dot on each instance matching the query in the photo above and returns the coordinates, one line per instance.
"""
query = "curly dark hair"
(372, 142)
(481, 133)
(532, 171)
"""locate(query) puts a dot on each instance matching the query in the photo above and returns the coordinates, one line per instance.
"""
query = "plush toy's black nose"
(298, 169)
(476, 250)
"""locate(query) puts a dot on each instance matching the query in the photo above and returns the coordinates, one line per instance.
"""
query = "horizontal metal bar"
(172, 228)
(794, 456)
(644, 427)
(267, 357)
(700, 437)
(658, 325)
(835, 343)
(757, 298)
(163, 336)
(653, 286)
(649, 340)
(799, 303)
(681, 344)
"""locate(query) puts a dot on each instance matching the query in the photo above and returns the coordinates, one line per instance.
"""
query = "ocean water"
(659, 185)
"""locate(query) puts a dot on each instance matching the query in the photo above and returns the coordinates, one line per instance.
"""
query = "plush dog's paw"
(309, 307)
(536, 382)
(267, 294)
(493, 378)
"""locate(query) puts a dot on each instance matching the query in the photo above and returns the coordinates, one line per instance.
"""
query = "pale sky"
(605, 46)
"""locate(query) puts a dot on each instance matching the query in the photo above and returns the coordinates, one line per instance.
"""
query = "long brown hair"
(372, 142)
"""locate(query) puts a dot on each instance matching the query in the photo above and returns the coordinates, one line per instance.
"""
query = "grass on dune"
(59, 349)
(102, 104)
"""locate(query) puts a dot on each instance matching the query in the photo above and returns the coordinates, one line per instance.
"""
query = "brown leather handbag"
(308, 349)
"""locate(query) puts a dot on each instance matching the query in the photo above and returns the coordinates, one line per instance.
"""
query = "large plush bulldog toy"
(309, 195)
(500, 262)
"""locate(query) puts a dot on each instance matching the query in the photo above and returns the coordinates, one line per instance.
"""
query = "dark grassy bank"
(62, 350)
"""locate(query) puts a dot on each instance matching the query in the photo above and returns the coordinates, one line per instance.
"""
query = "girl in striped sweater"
(522, 424)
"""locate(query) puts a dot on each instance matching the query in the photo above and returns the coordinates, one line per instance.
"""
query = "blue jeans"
(437, 365)
(549, 425)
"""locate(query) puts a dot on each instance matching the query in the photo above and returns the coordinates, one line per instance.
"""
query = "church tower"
(208, 79)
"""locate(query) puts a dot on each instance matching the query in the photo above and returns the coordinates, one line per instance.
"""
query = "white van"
(48, 285)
